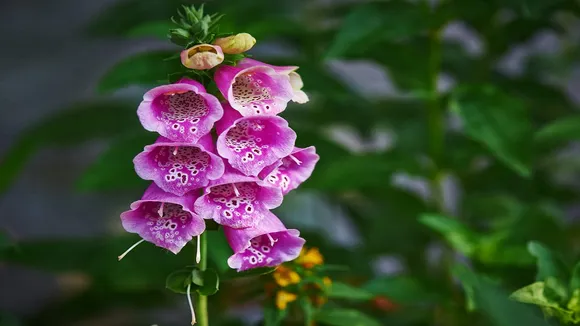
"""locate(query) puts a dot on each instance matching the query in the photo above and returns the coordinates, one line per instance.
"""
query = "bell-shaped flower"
(254, 90)
(237, 201)
(292, 170)
(164, 219)
(267, 244)
(295, 80)
(252, 143)
(181, 167)
(202, 56)
(181, 112)
(236, 44)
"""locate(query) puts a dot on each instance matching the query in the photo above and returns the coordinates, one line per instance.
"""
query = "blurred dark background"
(58, 227)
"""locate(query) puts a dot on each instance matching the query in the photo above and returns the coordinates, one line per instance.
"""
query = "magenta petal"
(176, 226)
(238, 201)
(253, 143)
(292, 170)
(247, 63)
(256, 90)
(228, 119)
(181, 112)
(268, 244)
(178, 168)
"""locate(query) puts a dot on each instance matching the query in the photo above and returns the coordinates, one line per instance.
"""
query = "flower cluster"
(230, 161)
(300, 278)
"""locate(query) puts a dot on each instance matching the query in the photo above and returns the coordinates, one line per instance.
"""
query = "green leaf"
(340, 290)
(232, 274)
(495, 304)
(456, 233)
(308, 310)
(376, 22)
(559, 131)
(535, 294)
(549, 263)
(156, 29)
(145, 69)
(344, 317)
(114, 168)
(211, 282)
(400, 289)
(72, 126)
(273, 316)
(179, 280)
(498, 121)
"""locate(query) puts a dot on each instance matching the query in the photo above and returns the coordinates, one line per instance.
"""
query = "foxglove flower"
(202, 57)
(179, 168)
(269, 243)
(255, 90)
(292, 170)
(252, 143)
(181, 112)
(237, 201)
(295, 80)
(164, 219)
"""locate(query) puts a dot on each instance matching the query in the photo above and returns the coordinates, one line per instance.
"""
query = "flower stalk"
(201, 300)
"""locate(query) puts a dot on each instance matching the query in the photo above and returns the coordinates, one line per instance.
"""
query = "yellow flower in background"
(285, 276)
(327, 282)
(283, 298)
(310, 258)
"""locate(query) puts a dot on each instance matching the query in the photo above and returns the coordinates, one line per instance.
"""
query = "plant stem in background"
(201, 302)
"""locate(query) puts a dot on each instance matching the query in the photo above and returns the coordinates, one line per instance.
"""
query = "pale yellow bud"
(202, 57)
(297, 84)
(236, 44)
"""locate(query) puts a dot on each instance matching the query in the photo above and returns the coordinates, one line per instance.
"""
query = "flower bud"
(236, 44)
(297, 84)
(202, 57)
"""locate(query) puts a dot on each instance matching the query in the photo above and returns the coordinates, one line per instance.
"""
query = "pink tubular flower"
(295, 80)
(181, 112)
(166, 220)
(237, 201)
(179, 168)
(254, 90)
(252, 143)
(269, 243)
(292, 170)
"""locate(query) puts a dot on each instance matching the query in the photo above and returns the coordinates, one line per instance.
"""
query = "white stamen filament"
(190, 304)
(131, 248)
(198, 252)
(236, 191)
(160, 211)
(175, 150)
(297, 161)
(271, 240)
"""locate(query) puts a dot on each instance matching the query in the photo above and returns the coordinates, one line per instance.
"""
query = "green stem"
(201, 300)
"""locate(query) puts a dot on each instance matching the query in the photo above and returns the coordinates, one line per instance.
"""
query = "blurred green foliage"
(509, 206)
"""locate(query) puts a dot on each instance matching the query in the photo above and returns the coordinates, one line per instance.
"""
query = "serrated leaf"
(74, 125)
(339, 290)
(549, 263)
(344, 317)
(498, 121)
(144, 69)
(114, 169)
(536, 294)
(456, 233)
